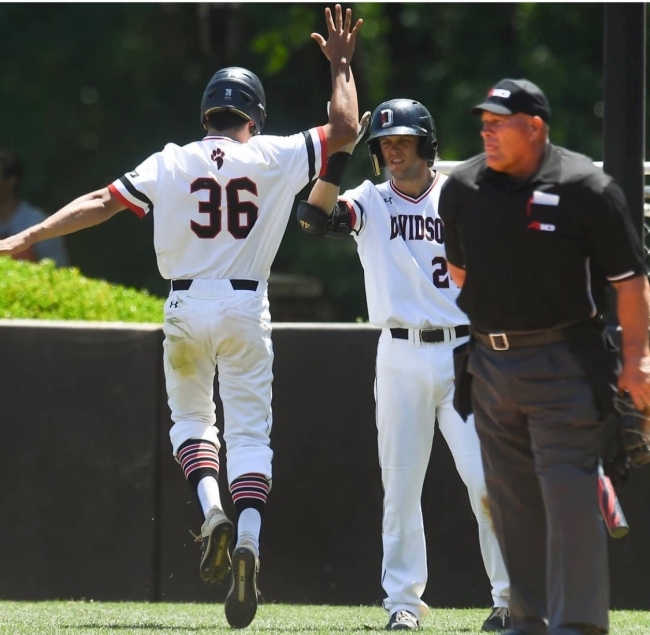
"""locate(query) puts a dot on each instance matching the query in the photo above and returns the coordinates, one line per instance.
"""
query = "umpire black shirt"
(538, 253)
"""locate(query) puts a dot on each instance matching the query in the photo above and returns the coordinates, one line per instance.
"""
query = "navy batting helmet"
(236, 90)
(401, 117)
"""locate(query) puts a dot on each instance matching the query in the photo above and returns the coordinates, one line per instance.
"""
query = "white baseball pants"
(414, 387)
(211, 325)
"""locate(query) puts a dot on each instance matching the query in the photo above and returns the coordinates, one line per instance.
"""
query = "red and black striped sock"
(198, 459)
(250, 491)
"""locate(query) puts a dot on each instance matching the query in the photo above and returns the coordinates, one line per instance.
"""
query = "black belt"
(237, 285)
(431, 336)
(504, 341)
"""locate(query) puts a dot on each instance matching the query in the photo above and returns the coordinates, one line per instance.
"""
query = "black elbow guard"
(312, 219)
(316, 222)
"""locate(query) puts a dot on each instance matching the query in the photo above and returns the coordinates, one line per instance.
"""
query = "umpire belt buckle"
(499, 341)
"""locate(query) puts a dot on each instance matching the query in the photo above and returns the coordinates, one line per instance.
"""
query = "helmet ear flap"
(428, 148)
(434, 151)
(376, 157)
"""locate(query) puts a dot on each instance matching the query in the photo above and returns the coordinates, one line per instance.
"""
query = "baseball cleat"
(216, 535)
(577, 629)
(241, 602)
(402, 621)
(497, 620)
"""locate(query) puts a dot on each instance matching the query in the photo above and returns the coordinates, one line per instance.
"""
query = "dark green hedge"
(41, 291)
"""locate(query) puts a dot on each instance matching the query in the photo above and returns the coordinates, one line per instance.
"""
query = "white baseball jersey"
(401, 247)
(221, 207)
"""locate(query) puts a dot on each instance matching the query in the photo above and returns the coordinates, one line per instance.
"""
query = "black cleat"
(577, 629)
(498, 620)
(402, 621)
(241, 602)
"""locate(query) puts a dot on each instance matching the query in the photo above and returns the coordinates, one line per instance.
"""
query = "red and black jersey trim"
(311, 155)
(422, 196)
(323, 150)
(353, 215)
(136, 194)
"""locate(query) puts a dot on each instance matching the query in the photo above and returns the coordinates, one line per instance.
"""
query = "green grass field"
(95, 618)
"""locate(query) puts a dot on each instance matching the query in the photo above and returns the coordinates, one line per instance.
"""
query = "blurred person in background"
(17, 214)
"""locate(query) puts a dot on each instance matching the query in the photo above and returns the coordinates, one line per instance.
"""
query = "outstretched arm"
(86, 211)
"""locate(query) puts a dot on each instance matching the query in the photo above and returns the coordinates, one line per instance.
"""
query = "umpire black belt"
(504, 341)
(237, 285)
(431, 336)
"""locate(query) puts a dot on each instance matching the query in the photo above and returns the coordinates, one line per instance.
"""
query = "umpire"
(534, 235)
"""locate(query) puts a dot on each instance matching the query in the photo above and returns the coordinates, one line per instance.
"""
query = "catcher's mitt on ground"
(635, 430)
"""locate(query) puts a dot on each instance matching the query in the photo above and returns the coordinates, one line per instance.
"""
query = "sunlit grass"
(95, 618)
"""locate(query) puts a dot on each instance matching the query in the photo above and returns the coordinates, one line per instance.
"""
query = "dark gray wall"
(78, 471)
(96, 507)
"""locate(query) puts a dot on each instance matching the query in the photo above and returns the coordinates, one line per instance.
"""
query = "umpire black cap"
(510, 96)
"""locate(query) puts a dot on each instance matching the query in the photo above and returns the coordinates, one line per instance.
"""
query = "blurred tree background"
(90, 90)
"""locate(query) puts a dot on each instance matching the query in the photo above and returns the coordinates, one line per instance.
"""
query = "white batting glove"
(363, 126)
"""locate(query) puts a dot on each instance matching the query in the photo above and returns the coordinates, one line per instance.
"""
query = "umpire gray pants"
(540, 438)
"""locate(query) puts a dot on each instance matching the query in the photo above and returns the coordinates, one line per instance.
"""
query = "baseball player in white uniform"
(410, 295)
(221, 206)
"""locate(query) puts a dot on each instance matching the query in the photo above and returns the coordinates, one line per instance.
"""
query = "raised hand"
(341, 39)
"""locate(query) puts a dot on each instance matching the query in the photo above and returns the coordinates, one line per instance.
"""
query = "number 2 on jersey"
(440, 272)
(242, 215)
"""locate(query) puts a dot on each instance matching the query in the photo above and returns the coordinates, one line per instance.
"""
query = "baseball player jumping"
(221, 206)
(400, 240)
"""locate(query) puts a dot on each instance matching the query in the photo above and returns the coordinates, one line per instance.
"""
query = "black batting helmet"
(237, 90)
(401, 117)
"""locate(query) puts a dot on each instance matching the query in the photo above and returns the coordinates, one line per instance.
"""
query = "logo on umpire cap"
(499, 92)
(386, 118)
(228, 94)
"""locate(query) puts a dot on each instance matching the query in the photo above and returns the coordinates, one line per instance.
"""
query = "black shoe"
(528, 628)
(402, 621)
(577, 629)
(241, 602)
(216, 535)
(498, 619)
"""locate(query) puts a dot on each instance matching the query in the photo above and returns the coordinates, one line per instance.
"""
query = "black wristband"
(335, 168)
